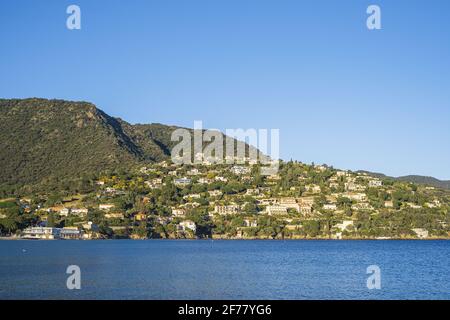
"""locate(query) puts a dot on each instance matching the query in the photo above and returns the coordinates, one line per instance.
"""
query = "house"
(305, 208)
(293, 227)
(193, 172)
(433, 204)
(80, 212)
(215, 193)
(110, 190)
(115, 215)
(226, 210)
(182, 181)
(306, 200)
(178, 212)
(320, 168)
(152, 185)
(164, 220)
(333, 179)
(389, 204)
(190, 205)
(204, 180)
(362, 206)
(187, 224)
(90, 226)
(250, 223)
(143, 170)
(41, 233)
(375, 183)
(163, 164)
(274, 177)
(355, 196)
(192, 196)
(252, 192)
(266, 202)
(54, 209)
(106, 206)
(64, 212)
(240, 170)
(413, 205)
(344, 225)
(352, 186)
(421, 233)
(330, 206)
(334, 185)
(276, 210)
(312, 188)
(70, 233)
(289, 203)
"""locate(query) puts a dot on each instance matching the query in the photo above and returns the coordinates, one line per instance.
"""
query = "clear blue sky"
(339, 93)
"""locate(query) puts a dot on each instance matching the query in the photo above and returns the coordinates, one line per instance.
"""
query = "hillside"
(55, 144)
(50, 144)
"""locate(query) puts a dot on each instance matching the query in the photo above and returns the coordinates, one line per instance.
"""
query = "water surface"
(187, 269)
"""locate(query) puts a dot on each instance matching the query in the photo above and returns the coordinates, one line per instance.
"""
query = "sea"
(225, 269)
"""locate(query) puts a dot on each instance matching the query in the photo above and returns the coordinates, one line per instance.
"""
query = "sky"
(339, 93)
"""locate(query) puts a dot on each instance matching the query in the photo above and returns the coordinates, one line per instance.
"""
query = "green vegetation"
(69, 165)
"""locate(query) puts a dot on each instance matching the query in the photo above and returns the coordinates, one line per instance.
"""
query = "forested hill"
(54, 144)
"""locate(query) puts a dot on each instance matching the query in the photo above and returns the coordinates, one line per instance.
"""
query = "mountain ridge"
(425, 180)
(53, 142)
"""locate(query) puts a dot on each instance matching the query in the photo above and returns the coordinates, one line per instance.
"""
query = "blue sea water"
(190, 269)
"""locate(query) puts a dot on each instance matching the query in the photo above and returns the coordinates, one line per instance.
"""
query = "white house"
(276, 210)
(79, 211)
(226, 210)
(41, 233)
(187, 224)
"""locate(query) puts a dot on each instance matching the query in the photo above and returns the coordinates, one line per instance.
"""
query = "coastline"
(241, 239)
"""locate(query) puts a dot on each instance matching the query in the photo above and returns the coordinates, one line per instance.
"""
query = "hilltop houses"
(182, 182)
(106, 206)
(276, 210)
(289, 203)
(187, 225)
(227, 209)
(299, 201)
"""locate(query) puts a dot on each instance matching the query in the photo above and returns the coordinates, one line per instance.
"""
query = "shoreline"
(234, 239)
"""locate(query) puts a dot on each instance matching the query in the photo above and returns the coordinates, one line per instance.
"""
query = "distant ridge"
(425, 180)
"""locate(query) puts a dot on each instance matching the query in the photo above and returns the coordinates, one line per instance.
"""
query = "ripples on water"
(178, 269)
